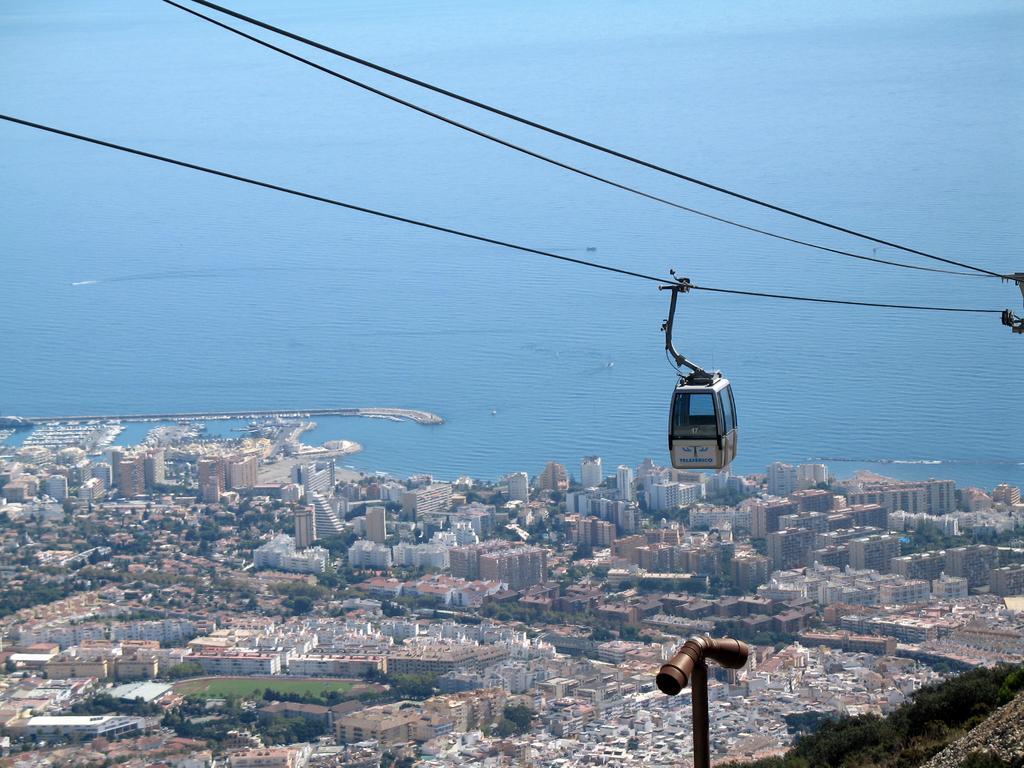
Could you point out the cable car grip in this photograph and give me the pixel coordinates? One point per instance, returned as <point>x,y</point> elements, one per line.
<point>698,375</point>
<point>1014,323</point>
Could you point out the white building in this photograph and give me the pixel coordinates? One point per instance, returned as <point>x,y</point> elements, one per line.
<point>624,482</point>
<point>103,472</point>
<point>430,555</point>
<point>160,630</point>
<point>291,493</point>
<point>238,664</point>
<point>318,477</point>
<point>668,496</point>
<point>911,521</point>
<point>242,472</point>
<point>949,587</point>
<point>281,555</point>
<point>56,487</point>
<point>811,475</point>
<point>392,491</point>
<point>464,533</point>
<point>782,479</point>
<point>92,489</point>
<point>85,727</point>
<point>519,486</point>
<point>591,472</point>
<point>369,554</point>
<point>435,498</point>
<point>909,591</point>
<point>327,521</point>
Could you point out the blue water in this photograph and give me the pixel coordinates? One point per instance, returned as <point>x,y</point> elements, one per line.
<point>904,120</point>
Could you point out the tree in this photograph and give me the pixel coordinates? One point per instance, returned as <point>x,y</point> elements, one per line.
<point>413,686</point>
<point>583,551</point>
<point>183,670</point>
<point>520,717</point>
<point>298,604</point>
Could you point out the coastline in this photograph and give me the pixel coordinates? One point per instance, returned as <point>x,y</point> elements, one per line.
<point>393,414</point>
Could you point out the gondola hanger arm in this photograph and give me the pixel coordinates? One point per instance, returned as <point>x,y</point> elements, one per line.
<point>1015,323</point>
<point>698,375</point>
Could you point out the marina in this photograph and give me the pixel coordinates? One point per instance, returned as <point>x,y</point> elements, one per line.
<point>391,414</point>
<point>88,435</point>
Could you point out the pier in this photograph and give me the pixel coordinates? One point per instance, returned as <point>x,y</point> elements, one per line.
<point>393,414</point>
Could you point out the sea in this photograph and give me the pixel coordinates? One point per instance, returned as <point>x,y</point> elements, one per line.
<point>130,286</point>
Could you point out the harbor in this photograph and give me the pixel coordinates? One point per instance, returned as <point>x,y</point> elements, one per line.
<point>392,414</point>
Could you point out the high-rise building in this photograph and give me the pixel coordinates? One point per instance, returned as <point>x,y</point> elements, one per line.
<point>790,548</point>
<point>936,497</point>
<point>668,496</point>
<point>782,479</point>
<point>481,517</point>
<point>242,471</point>
<point>103,472</point>
<point>154,468</point>
<point>921,565</point>
<point>813,500</point>
<point>590,531</point>
<point>867,514</point>
<point>974,562</point>
<point>624,482</point>
<point>591,472</point>
<point>811,475</point>
<point>1008,580</point>
<point>553,478</point>
<point>749,571</point>
<point>317,477</point>
<point>327,521</point>
<point>369,554</point>
<point>305,527</point>
<point>92,489</point>
<point>519,567</point>
<point>281,554</point>
<point>376,524</point>
<point>949,587</point>
<point>764,517</point>
<point>874,553</point>
<point>941,496</point>
<point>211,478</point>
<point>812,521</point>
<point>464,533</point>
<point>519,486</point>
<point>432,499</point>
<point>116,455</point>
<point>1006,494</point>
<point>834,556</point>
<point>56,487</point>
<point>429,555</point>
<point>465,560</point>
<point>131,475</point>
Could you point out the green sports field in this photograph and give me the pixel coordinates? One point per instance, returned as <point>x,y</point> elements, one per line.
<point>253,687</point>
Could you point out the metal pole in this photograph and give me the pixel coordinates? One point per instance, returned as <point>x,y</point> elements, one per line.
<point>699,689</point>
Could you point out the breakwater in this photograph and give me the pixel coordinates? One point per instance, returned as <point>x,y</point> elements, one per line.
<point>393,414</point>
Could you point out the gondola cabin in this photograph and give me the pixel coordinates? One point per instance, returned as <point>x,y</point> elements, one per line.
<point>702,429</point>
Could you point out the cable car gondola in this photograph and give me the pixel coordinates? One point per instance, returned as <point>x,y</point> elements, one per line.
<point>703,430</point>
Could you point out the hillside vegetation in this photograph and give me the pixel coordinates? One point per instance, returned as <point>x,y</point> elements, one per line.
<point>933,718</point>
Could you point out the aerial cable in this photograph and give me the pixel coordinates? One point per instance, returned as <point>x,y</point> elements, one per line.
<point>551,160</point>
<point>329,201</point>
<point>451,230</point>
<point>578,140</point>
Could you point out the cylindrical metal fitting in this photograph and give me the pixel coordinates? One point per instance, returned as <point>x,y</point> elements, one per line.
<point>675,674</point>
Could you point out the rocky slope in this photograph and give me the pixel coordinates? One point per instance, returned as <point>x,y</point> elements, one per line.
<point>1002,734</point>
